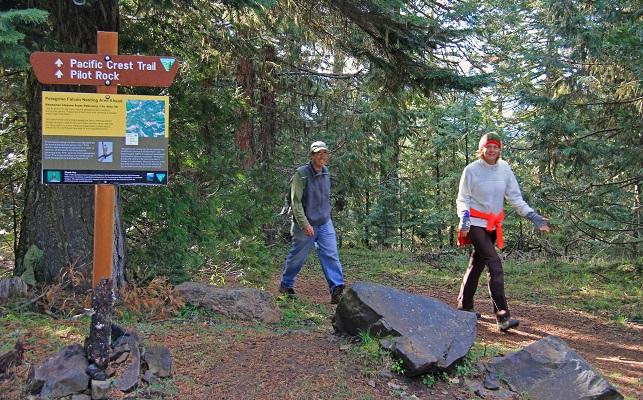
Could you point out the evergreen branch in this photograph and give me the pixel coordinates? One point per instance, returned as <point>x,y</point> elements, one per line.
<point>15,128</point>
<point>594,237</point>
<point>606,103</point>
<point>595,133</point>
<point>6,73</point>
<point>621,183</point>
<point>315,73</point>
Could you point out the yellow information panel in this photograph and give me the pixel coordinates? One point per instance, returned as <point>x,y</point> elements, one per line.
<point>89,114</point>
<point>90,138</point>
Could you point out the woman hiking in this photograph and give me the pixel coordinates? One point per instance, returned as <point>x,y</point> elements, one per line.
<point>484,185</point>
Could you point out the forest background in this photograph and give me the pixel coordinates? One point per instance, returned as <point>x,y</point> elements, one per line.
<point>400,90</point>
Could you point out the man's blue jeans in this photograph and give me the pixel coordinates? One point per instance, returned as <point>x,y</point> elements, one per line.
<point>326,240</point>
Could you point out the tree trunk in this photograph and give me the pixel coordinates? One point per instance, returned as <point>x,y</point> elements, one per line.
<point>246,81</point>
<point>438,192</point>
<point>268,108</point>
<point>59,220</point>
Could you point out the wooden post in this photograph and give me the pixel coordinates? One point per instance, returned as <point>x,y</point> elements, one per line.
<point>100,330</point>
<point>107,43</point>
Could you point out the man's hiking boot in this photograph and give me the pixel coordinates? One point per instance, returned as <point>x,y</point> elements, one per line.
<point>504,323</point>
<point>478,316</point>
<point>336,294</point>
<point>288,291</point>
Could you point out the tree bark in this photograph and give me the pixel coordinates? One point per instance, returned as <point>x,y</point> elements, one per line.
<point>100,332</point>
<point>268,108</point>
<point>246,81</point>
<point>59,219</point>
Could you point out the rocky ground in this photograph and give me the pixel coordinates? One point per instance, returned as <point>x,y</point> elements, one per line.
<point>223,359</point>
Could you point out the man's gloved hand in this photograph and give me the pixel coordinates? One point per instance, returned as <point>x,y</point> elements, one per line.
<point>539,221</point>
<point>465,223</point>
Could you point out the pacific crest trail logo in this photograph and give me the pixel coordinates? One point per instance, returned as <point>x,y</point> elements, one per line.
<point>168,63</point>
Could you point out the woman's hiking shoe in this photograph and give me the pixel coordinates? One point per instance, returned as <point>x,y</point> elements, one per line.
<point>288,291</point>
<point>336,294</point>
<point>507,324</point>
<point>478,316</point>
<point>504,323</point>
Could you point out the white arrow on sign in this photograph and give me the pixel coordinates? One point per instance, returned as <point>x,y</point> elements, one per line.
<point>58,63</point>
<point>58,74</point>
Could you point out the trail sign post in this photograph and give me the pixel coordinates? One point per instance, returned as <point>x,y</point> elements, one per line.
<point>106,70</point>
<point>99,69</point>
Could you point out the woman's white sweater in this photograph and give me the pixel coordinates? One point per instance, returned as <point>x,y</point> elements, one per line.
<point>484,187</point>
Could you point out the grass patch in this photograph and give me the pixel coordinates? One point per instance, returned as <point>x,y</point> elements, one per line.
<point>467,367</point>
<point>369,355</point>
<point>33,329</point>
<point>158,390</point>
<point>613,290</point>
<point>607,289</point>
<point>301,314</point>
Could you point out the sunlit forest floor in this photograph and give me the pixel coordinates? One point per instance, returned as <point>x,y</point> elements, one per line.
<point>594,308</point>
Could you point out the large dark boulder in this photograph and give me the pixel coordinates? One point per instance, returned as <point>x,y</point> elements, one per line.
<point>240,303</point>
<point>550,370</point>
<point>60,375</point>
<point>424,332</point>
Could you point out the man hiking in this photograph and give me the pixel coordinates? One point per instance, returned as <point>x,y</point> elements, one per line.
<point>312,224</point>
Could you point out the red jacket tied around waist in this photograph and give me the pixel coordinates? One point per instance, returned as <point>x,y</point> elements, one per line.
<point>493,221</point>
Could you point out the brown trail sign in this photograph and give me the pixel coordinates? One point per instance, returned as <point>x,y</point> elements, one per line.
<point>103,69</point>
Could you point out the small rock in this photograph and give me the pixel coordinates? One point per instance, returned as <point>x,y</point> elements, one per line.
<point>128,338</point>
<point>159,361</point>
<point>100,389</point>
<point>117,332</point>
<point>333,338</point>
<point>371,383</point>
<point>345,347</point>
<point>117,351</point>
<point>385,373</point>
<point>241,303</point>
<point>128,381</point>
<point>96,373</point>
<point>149,377</point>
<point>395,386</point>
<point>60,375</point>
<point>122,358</point>
<point>13,287</point>
<point>491,382</point>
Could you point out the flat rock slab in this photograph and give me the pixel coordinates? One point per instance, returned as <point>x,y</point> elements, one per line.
<point>425,333</point>
<point>240,303</point>
<point>60,375</point>
<point>129,379</point>
<point>550,370</point>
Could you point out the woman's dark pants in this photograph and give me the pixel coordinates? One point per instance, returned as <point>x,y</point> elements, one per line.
<point>483,254</point>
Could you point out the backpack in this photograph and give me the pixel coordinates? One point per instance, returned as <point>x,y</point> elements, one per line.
<point>287,207</point>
